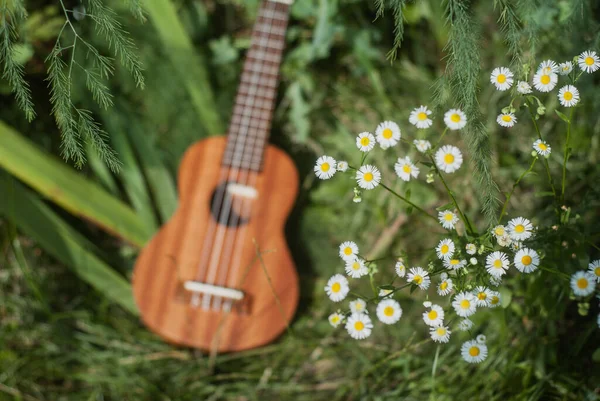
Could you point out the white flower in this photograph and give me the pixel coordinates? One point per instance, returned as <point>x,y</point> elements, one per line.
<point>422,145</point>
<point>368,177</point>
<point>400,269</point>
<point>337,288</point>
<point>494,299</point>
<point>448,158</point>
<point>545,82</point>
<point>365,141</point>
<point>473,352</point>
<point>342,166</point>
<point>497,263</point>
<point>389,311</point>
<point>565,68</point>
<point>445,249</point>
<point>419,276</point>
<point>504,240</point>
<point>542,148</point>
<point>427,304</point>
<point>406,169</point>
<point>523,88</point>
<point>388,134</point>
<point>588,61</point>
<point>480,339</point>
<point>383,293</point>
<point>356,268</point>
<point>419,117</point>
<point>583,283</point>
<point>464,304</point>
<point>594,269</point>
<point>454,264</point>
<point>520,229</point>
<point>473,261</point>
<point>548,67</point>
<point>502,78</point>
<point>358,306</point>
<point>359,326</point>
<point>445,286</point>
<point>506,120</point>
<point>434,317</point>
<point>325,167</point>
<point>455,119</point>
<point>568,96</point>
<point>440,334</point>
<point>447,219</point>
<point>471,249</point>
<point>498,231</point>
<point>495,280</point>
<point>598,320</point>
<point>482,296</point>
<point>526,260</point>
<point>335,319</point>
<point>348,250</point>
<point>465,325</point>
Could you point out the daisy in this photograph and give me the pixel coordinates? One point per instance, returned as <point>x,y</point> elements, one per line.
<point>348,250</point>
<point>335,319</point>
<point>454,264</point>
<point>455,119</point>
<point>359,326</point>
<point>499,231</point>
<point>548,67</point>
<point>473,352</point>
<point>583,283</point>
<point>526,260</point>
<point>542,148</point>
<point>448,219</point>
<point>588,61</point>
<point>504,240</point>
<point>325,167</point>
<point>545,82</point>
<point>342,166</point>
<point>427,304</point>
<point>465,325</point>
<point>448,158</point>
<point>365,141</point>
<point>388,134</point>
<point>502,78</point>
<point>389,311</point>
<point>440,334</point>
<point>480,339</point>
<point>400,269</point>
<point>383,293</point>
<point>464,304</point>
<point>594,269</point>
<point>520,229</point>
<point>565,68</point>
<point>368,177</point>
<point>497,263</point>
<point>471,249</point>
<point>420,277</point>
<point>523,88</point>
<point>473,261</point>
<point>494,299</point>
<point>495,281</point>
<point>358,306</point>
<point>356,268</point>
<point>422,145</point>
<point>506,120</point>
<point>445,249</point>
<point>419,117</point>
<point>406,169</point>
<point>568,96</point>
<point>482,296</point>
<point>434,317</point>
<point>445,286</point>
<point>337,288</point>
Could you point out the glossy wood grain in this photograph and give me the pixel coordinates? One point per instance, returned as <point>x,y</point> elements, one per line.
<point>174,255</point>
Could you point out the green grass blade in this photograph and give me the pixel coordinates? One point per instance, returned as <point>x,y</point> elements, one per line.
<point>62,185</point>
<point>60,240</point>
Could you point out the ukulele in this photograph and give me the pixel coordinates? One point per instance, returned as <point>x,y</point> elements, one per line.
<point>219,276</point>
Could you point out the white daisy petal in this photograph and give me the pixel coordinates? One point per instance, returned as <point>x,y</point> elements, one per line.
<point>465,325</point>
<point>542,148</point>
<point>358,306</point>
<point>440,334</point>
<point>325,167</point>
<point>526,260</point>
<point>388,134</point>
<point>474,352</point>
<point>589,61</point>
<point>422,145</point>
<point>594,269</point>
<point>447,219</point>
<point>434,317</point>
<point>365,141</point>
<point>471,249</point>
<point>583,283</point>
<point>445,249</point>
<point>568,96</point>
<point>342,166</point>
<point>464,304</point>
<point>497,263</point>
<point>348,250</point>
<point>405,169</point>
<point>520,229</point>
<point>523,88</point>
<point>448,158</point>
<point>389,311</point>
<point>359,326</point>
<point>455,119</point>
<point>356,268</point>
<point>335,319</point>
<point>506,120</point>
<point>502,78</point>
<point>445,286</point>
<point>419,277</point>
<point>368,177</point>
<point>400,269</point>
<point>545,82</point>
<point>565,68</point>
<point>494,299</point>
<point>419,117</point>
<point>482,296</point>
<point>548,67</point>
<point>454,264</point>
<point>337,288</point>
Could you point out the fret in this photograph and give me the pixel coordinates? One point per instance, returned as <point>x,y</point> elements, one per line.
<point>277,16</point>
<point>263,69</point>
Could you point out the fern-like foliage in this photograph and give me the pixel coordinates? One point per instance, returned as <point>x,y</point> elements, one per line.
<point>511,28</point>
<point>397,7</point>
<point>11,17</point>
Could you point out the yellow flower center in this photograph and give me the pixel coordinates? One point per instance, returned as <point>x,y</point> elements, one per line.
<point>388,311</point>
<point>568,96</point>
<point>368,177</point>
<point>597,271</point>
<point>582,283</point>
<point>422,116</point>
<point>542,146</point>
<point>448,158</point>
<point>444,285</point>
<point>336,287</point>
<point>358,326</point>
<point>474,351</point>
<point>497,263</point>
<point>589,60</point>
<point>495,299</point>
<point>418,280</point>
<point>448,217</point>
<point>454,262</point>
<point>465,304</point>
<point>501,78</point>
<point>482,296</point>
<point>355,266</point>
<point>526,260</point>
<point>445,249</point>
<point>387,133</point>
<point>325,167</point>
<point>519,228</point>
<point>499,231</point>
<point>335,319</point>
<point>440,331</point>
<point>506,118</point>
<point>348,251</point>
<point>432,315</point>
<point>455,118</point>
<point>406,169</point>
<point>545,79</point>
<point>365,141</point>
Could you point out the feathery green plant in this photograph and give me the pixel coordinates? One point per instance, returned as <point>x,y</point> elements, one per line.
<point>397,7</point>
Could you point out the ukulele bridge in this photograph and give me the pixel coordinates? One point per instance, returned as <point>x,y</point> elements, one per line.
<point>214,290</point>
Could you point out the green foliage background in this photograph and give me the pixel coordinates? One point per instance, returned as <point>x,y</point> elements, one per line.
<point>69,326</point>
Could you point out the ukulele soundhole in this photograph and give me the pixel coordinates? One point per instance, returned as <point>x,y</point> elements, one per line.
<point>231,202</point>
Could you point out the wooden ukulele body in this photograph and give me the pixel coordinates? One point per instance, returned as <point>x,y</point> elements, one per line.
<point>174,256</point>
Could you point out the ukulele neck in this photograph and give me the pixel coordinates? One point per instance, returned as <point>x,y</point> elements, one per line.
<point>255,100</point>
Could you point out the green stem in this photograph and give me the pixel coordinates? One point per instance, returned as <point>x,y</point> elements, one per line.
<point>514,187</point>
<point>537,129</point>
<point>440,139</point>
<point>407,201</point>
<point>566,157</point>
